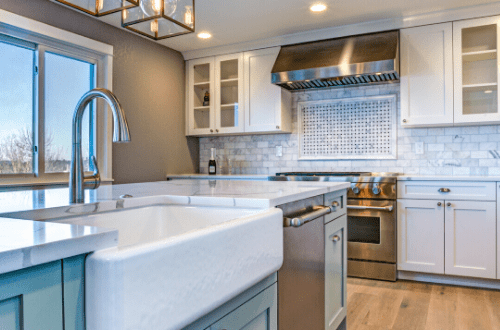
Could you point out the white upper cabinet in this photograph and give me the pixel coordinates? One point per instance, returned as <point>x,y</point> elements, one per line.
<point>242,98</point>
<point>475,44</point>
<point>229,114</point>
<point>427,76</point>
<point>222,78</point>
<point>268,107</point>
<point>201,118</point>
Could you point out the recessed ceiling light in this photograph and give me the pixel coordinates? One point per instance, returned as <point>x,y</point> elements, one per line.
<point>204,35</point>
<point>318,7</point>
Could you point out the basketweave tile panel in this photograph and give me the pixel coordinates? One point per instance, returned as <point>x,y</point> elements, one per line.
<point>471,150</point>
<point>349,128</point>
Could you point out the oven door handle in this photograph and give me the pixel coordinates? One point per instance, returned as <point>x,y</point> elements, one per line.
<point>317,211</point>
<point>374,208</point>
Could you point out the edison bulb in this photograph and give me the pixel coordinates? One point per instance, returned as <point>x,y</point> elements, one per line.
<point>100,5</point>
<point>154,26</point>
<point>153,7</point>
<point>124,14</point>
<point>188,16</point>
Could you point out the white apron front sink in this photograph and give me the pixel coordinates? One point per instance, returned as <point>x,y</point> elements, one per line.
<point>174,264</point>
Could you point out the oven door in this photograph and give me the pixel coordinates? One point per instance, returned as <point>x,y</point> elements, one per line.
<point>371,230</point>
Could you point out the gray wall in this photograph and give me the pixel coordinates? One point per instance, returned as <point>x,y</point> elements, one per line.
<point>148,79</point>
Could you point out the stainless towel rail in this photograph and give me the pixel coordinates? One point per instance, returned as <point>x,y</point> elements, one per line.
<point>374,208</point>
<point>309,215</point>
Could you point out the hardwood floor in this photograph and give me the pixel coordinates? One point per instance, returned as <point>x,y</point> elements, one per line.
<point>405,305</point>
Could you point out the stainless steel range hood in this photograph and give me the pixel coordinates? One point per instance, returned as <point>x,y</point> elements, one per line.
<point>362,59</point>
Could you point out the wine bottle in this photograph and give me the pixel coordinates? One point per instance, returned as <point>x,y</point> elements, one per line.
<point>212,165</point>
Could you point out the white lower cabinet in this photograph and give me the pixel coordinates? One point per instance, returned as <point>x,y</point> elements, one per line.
<point>470,239</point>
<point>448,237</point>
<point>421,236</point>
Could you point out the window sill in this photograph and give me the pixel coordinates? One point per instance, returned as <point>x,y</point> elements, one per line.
<point>12,185</point>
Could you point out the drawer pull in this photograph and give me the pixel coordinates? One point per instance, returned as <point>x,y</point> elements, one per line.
<point>335,238</point>
<point>444,190</point>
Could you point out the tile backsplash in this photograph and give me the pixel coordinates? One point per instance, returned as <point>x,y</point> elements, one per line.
<point>458,151</point>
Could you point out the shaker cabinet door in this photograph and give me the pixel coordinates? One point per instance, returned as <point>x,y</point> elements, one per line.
<point>335,272</point>
<point>31,298</point>
<point>421,235</point>
<point>259,313</point>
<point>470,238</point>
<point>427,76</point>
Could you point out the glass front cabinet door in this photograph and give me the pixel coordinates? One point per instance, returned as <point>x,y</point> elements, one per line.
<point>215,95</point>
<point>475,44</point>
<point>201,91</point>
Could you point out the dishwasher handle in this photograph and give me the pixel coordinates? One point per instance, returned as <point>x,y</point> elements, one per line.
<point>374,208</point>
<point>317,211</point>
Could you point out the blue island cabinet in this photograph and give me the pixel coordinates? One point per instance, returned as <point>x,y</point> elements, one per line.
<point>254,309</point>
<point>32,298</point>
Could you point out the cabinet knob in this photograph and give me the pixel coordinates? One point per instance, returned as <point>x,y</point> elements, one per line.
<point>335,238</point>
<point>404,120</point>
<point>217,131</point>
<point>439,204</point>
<point>211,131</point>
<point>335,204</point>
<point>448,204</point>
<point>444,190</point>
<point>277,127</point>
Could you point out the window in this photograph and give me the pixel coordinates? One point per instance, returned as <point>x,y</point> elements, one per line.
<point>42,78</point>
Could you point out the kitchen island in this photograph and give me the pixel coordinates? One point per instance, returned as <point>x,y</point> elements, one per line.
<point>51,205</point>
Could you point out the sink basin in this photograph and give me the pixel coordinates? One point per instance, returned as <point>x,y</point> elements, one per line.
<point>176,263</point>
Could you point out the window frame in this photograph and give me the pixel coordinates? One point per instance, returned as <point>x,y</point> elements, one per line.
<point>61,42</point>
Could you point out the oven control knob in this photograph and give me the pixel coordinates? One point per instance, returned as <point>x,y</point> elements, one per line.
<point>356,190</point>
<point>376,189</point>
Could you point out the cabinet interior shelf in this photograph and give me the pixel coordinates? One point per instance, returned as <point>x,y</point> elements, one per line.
<point>229,82</point>
<point>479,85</point>
<point>229,106</point>
<point>479,55</point>
<point>205,84</point>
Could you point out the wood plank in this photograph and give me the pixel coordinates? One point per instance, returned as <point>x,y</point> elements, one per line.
<point>442,308</point>
<point>384,309</point>
<point>412,314</point>
<point>493,303</point>
<point>358,308</point>
<point>472,312</point>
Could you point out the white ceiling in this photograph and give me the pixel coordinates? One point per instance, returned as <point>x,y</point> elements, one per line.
<point>238,21</point>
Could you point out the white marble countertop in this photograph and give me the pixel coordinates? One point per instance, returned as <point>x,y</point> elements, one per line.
<point>220,176</point>
<point>401,177</point>
<point>25,243</point>
<point>410,177</point>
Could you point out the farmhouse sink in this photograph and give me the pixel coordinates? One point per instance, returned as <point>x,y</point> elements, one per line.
<point>174,263</point>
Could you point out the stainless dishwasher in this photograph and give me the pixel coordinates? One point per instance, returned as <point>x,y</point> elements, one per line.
<point>312,281</point>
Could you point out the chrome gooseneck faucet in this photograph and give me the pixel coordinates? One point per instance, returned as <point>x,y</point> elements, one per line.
<point>77,181</point>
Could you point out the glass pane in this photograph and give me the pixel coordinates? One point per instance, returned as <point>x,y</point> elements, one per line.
<point>66,80</point>
<point>16,109</point>
<point>363,229</point>
<point>229,93</point>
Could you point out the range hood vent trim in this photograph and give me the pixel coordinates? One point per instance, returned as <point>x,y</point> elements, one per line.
<point>365,59</point>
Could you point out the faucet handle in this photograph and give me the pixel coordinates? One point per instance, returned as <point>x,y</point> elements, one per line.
<point>93,181</point>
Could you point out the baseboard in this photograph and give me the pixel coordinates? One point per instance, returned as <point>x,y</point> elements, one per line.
<point>450,280</point>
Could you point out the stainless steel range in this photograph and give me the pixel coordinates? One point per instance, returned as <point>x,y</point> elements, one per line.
<point>371,219</point>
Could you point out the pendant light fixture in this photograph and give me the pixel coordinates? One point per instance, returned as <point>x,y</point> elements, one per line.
<point>100,7</point>
<point>160,19</point>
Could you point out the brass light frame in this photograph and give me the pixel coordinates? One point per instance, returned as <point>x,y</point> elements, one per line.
<point>161,15</point>
<point>97,12</point>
